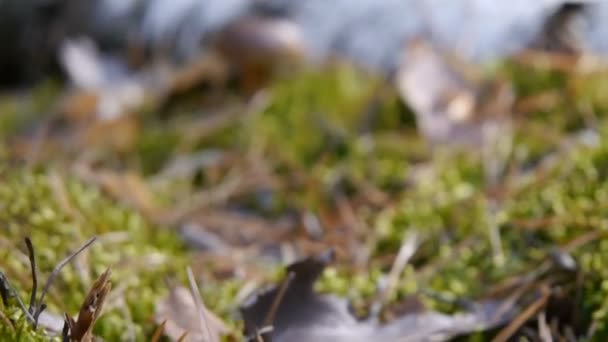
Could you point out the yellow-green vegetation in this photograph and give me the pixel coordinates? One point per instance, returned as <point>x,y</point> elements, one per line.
<point>345,132</point>
<point>59,220</point>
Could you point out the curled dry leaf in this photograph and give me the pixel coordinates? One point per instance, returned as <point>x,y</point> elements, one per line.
<point>453,102</point>
<point>81,328</point>
<point>178,311</point>
<point>300,314</point>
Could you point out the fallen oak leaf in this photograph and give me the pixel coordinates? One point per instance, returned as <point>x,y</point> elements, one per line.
<point>299,307</point>
<point>80,330</point>
<point>303,315</point>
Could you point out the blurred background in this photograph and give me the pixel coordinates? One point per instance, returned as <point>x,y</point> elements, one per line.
<point>452,153</point>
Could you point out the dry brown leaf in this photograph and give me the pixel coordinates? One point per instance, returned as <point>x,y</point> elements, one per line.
<point>180,313</point>
<point>303,315</point>
<point>80,330</point>
<point>453,102</point>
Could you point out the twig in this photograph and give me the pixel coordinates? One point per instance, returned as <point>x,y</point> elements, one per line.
<point>274,307</point>
<point>278,299</point>
<point>54,274</point>
<point>65,332</point>
<point>260,332</point>
<point>32,257</point>
<point>506,333</point>
<point>182,337</point>
<point>498,254</point>
<point>543,329</point>
<point>6,321</point>
<point>90,309</point>
<point>199,304</point>
<point>158,332</point>
<point>406,251</point>
<point>6,289</point>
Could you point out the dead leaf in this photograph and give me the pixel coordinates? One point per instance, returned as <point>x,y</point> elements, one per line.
<point>180,313</point>
<point>563,31</point>
<point>303,315</point>
<point>453,102</point>
<point>80,330</point>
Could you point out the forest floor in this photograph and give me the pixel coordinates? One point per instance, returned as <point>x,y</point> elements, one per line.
<point>323,159</point>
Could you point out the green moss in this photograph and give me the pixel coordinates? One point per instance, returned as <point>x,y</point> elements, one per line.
<point>154,148</point>
<point>318,113</point>
<point>139,254</point>
<point>452,208</point>
<point>339,130</point>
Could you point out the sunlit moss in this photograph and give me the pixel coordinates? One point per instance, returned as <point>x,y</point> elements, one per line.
<point>343,130</point>
<point>139,254</point>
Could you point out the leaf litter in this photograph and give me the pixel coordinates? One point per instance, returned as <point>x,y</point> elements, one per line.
<point>297,313</point>
<point>301,167</point>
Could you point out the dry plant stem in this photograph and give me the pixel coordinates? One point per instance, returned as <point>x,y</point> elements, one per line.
<point>406,251</point>
<point>183,337</point>
<point>32,257</point>
<point>65,332</point>
<point>90,310</point>
<point>498,254</point>
<point>8,288</point>
<point>348,213</point>
<point>6,321</point>
<point>543,328</point>
<point>4,289</point>
<point>199,304</point>
<point>158,333</point>
<point>277,301</point>
<point>259,333</point>
<point>506,333</point>
<point>54,274</point>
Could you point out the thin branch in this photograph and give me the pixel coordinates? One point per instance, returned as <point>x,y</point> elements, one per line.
<point>158,333</point>
<point>199,304</point>
<point>32,256</point>
<point>7,289</point>
<point>543,328</point>
<point>506,333</point>
<point>183,337</point>
<point>65,332</point>
<point>258,334</point>
<point>278,299</point>
<point>54,274</point>
<point>6,321</point>
<point>408,248</point>
<point>272,312</point>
